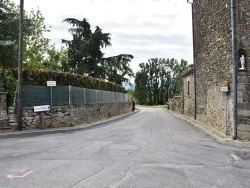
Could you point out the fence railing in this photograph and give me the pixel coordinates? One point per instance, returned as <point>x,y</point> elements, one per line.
<point>69,95</point>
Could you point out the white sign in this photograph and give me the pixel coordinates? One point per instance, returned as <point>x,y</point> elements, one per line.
<point>6,42</point>
<point>224,89</point>
<point>41,108</point>
<point>51,83</point>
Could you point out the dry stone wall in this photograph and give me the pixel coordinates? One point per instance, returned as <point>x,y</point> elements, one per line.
<point>69,115</point>
<point>188,93</point>
<point>3,109</point>
<point>176,104</point>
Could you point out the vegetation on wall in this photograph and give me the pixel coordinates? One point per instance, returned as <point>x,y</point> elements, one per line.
<point>10,84</point>
<point>40,78</point>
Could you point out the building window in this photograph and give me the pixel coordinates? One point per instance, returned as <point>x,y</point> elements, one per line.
<point>188,88</point>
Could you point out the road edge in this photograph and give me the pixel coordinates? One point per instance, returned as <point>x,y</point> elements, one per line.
<point>212,132</point>
<point>38,132</point>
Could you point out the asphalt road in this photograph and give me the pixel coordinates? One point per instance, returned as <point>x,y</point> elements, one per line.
<point>150,148</point>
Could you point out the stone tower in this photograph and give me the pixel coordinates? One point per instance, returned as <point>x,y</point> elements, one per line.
<point>213,59</point>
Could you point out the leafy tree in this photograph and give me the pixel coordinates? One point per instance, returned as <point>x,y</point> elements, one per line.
<point>57,60</point>
<point>178,68</point>
<point>141,87</point>
<point>4,5</point>
<point>158,72</point>
<point>117,68</point>
<point>9,32</point>
<point>86,57</point>
<point>35,44</point>
<point>161,78</point>
<point>85,49</point>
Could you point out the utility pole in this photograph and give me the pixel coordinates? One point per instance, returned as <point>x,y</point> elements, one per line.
<point>194,72</point>
<point>20,67</point>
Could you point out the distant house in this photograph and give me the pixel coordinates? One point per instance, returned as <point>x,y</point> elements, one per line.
<point>214,68</point>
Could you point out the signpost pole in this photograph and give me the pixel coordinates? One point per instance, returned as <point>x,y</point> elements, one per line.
<point>42,109</point>
<point>225,99</point>
<point>42,121</point>
<point>51,84</point>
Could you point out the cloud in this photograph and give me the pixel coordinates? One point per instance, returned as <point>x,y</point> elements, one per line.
<point>143,28</point>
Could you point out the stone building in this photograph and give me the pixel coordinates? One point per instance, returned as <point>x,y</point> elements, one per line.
<point>213,59</point>
<point>188,93</point>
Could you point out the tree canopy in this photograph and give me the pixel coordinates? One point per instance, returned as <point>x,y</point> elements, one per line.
<point>9,32</point>
<point>158,80</point>
<point>56,60</point>
<point>84,49</point>
<point>83,54</point>
<point>117,68</point>
<point>35,45</point>
<point>86,57</point>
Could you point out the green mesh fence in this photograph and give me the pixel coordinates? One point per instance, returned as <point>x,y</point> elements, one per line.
<point>65,95</point>
<point>77,95</point>
<point>41,95</point>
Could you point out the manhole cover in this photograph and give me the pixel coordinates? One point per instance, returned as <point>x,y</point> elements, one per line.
<point>243,155</point>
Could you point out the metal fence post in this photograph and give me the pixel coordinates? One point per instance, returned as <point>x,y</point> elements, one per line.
<point>70,95</point>
<point>84,95</point>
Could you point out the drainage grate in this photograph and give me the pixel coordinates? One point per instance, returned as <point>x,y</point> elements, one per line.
<point>243,155</point>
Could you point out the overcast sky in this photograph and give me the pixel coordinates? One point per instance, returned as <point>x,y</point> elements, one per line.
<point>144,28</point>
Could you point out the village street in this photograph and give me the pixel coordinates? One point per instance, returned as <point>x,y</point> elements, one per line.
<point>149,148</point>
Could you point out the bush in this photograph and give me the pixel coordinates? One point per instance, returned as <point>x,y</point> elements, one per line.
<point>10,86</point>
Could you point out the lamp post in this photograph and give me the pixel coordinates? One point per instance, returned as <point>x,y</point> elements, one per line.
<point>195,102</point>
<point>20,67</point>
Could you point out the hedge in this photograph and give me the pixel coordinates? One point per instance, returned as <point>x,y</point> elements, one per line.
<point>40,78</point>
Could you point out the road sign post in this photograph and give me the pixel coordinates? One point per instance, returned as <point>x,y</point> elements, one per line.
<point>51,84</point>
<point>42,109</point>
<point>224,89</point>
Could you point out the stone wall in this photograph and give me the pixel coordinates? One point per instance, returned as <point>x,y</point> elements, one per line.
<point>175,104</point>
<point>212,37</point>
<point>188,93</point>
<point>213,58</point>
<point>3,109</point>
<point>243,76</point>
<point>64,116</point>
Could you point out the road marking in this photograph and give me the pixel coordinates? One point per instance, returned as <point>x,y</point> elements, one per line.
<point>16,175</point>
<point>17,170</point>
<point>236,157</point>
